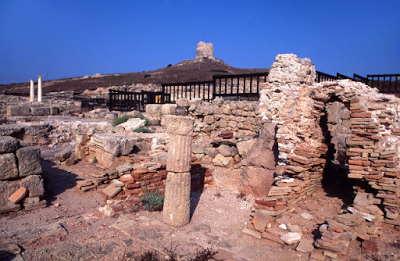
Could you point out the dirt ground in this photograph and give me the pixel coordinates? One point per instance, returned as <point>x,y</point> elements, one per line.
<point>72,228</point>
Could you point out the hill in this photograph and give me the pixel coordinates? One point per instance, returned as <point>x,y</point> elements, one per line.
<point>198,69</point>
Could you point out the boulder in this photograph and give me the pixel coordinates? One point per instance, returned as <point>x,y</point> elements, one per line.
<point>262,153</point>
<point>29,162</point>
<point>222,161</point>
<point>256,181</point>
<point>8,166</point>
<point>8,144</point>
<point>132,124</point>
<point>62,155</point>
<point>115,145</point>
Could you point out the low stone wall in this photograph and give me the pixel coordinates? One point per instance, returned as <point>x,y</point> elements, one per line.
<point>23,110</point>
<point>20,176</point>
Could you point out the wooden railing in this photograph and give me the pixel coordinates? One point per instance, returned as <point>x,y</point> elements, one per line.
<point>236,86</point>
<point>129,101</point>
<point>386,83</point>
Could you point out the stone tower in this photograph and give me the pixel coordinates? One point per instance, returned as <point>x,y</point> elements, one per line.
<point>205,50</point>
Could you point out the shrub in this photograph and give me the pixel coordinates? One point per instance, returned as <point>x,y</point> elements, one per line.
<point>118,120</point>
<point>153,201</point>
<point>95,160</point>
<point>142,130</point>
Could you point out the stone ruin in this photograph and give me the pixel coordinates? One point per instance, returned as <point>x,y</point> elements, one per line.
<point>204,50</point>
<point>21,183</point>
<point>316,131</point>
<point>280,149</point>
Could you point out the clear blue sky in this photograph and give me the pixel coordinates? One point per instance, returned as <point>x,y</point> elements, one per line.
<point>68,38</point>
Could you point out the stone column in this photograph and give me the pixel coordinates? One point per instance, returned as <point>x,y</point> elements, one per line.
<point>177,190</point>
<point>32,96</point>
<point>40,88</point>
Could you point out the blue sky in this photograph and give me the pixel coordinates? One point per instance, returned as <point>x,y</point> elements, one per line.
<point>60,38</point>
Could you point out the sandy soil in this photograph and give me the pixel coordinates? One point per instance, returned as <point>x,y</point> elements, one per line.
<point>72,228</point>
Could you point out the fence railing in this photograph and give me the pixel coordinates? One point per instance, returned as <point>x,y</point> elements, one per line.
<point>128,101</point>
<point>235,86</point>
<point>386,83</point>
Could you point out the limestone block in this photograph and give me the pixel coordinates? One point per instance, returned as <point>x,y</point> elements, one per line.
<point>8,144</point>
<point>8,166</point>
<point>179,125</point>
<point>225,150</point>
<point>209,119</point>
<point>182,102</point>
<point>222,161</point>
<point>198,148</point>
<point>62,155</point>
<point>262,152</point>
<point>179,153</point>
<point>176,210</point>
<point>132,124</point>
<point>116,145</point>
<point>153,109</point>
<point>256,181</point>
<point>244,146</point>
<point>333,112</point>
<point>17,110</point>
<point>104,158</point>
<point>212,152</point>
<point>40,111</point>
<point>29,162</point>
<point>33,183</point>
<point>18,195</point>
<point>168,109</point>
<point>54,110</point>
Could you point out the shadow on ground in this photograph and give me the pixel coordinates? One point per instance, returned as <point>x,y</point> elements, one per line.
<point>56,181</point>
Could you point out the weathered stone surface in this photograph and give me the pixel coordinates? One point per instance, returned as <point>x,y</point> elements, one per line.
<point>291,238</point>
<point>261,219</point>
<point>288,68</point>
<point>179,125</point>
<point>132,124</point>
<point>40,111</point>
<point>116,145</point>
<point>252,233</point>
<point>62,155</point>
<point>183,102</point>
<point>225,150</point>
<point>179,153</point>
<point>256,181</point>
<point>168,109</point>
<point>262,152</point>
<point>176,210</point>
<point>111,190</point>
<point>29,162</point>
<point>153,109</point>
<point>18,110</point>
<point>305,245</point>
<point>8,144</point>
<point>34,184</point>
<point>244,146</point>
<point>8,166</point>
<point>8,207</point>
<point>222,161</point>
<point>204,50</point>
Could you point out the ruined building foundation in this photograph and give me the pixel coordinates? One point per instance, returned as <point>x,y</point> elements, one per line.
<point>342,126</point>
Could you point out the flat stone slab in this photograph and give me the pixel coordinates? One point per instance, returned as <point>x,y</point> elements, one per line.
<point>8,207</point>
<point>111,190</point>
<point>18,195</point>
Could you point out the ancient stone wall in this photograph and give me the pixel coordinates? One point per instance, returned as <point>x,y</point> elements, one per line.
<point>20,176</point>
<point>360,124</point>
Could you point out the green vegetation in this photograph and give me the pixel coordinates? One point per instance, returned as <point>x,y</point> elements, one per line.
<point>95,160</point>
<point>153,201</point>
<point>118,120</point>
<point>142,130</point>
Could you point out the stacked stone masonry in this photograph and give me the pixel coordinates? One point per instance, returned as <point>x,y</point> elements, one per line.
<point>21,183</point>
<point>364,126</point>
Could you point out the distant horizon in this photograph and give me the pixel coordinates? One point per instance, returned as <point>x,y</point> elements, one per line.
<point>75,38</point>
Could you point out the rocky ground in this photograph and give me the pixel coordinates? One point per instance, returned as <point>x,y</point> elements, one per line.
<point>72,228</point>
